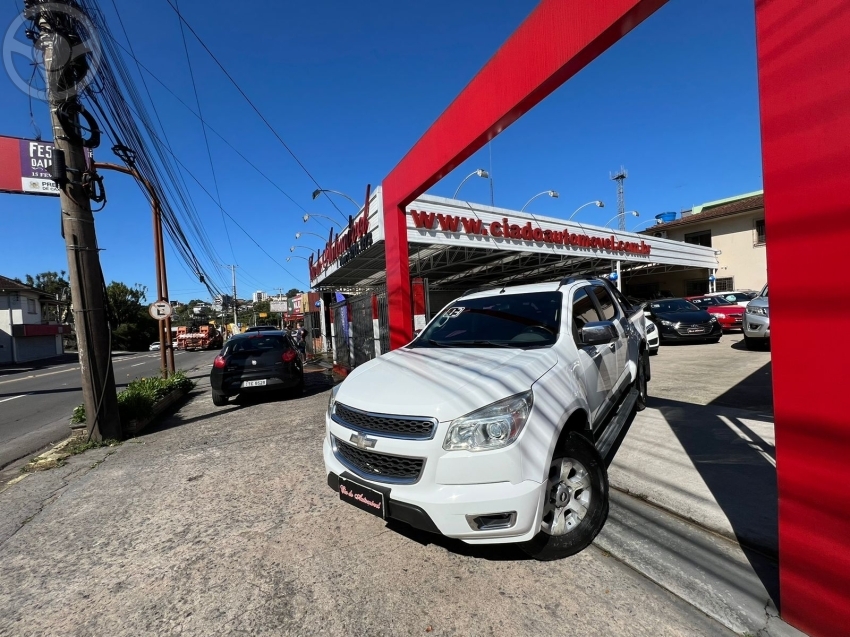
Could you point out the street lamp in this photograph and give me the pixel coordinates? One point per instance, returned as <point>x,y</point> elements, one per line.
<point>310,215</point>
<point>552,193</point>
<point>297,257</point>
<point>319,191</point>
<point>292,249</point>
<point>597,203</point>
<point>633,213</point>
<point>480,173</point>
<point>298,235</point>
<point>644,223</point>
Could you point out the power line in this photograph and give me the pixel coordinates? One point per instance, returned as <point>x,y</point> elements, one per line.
<point>206,139</point>
<point>253,106</point>
<point>208,125</point>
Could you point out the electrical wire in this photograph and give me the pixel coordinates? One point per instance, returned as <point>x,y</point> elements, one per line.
<point>251,103</point>
<point>206,140</point>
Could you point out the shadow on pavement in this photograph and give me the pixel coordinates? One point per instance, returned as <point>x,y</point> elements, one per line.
<point>491,552</point>
<point>738,467</point>
<point>754,392</point>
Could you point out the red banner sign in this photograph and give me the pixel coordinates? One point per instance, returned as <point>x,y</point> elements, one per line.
<point>25,167</point>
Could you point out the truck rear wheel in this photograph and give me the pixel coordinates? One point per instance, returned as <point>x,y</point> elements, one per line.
<point>576,502</point>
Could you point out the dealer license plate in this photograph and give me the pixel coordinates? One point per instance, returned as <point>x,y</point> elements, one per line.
<point>695,330</point>
<point>254,383</point>
<point>362,497</point>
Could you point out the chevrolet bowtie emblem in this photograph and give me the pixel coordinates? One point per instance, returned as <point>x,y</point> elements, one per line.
<point>364,442</point>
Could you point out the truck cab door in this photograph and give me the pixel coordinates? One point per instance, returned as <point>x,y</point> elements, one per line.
<point>624,347</point>
<point>598,363</point>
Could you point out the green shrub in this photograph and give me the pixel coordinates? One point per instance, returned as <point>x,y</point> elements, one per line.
<point>137,400</point>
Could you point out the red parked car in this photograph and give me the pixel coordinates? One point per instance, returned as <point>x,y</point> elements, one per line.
<point>729,315</point>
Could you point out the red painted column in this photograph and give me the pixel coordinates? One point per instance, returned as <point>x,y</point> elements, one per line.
<point>804,88</point>
<point>398,270</point>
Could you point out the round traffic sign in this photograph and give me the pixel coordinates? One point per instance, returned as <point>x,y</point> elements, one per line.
<point>160,310</point>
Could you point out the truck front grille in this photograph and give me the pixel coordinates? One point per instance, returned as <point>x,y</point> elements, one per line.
<point>409,427</point>
<point>381,467</point>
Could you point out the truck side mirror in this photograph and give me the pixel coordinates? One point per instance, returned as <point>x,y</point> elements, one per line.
<point>598,333</point>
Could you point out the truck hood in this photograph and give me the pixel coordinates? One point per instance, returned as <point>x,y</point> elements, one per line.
<point>444,383</point>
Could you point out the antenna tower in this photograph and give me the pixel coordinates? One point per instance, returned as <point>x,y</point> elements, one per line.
<point>620,178</point>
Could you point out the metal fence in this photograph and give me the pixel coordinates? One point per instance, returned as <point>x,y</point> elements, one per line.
<point>313,325</point>
<point>354,328</point>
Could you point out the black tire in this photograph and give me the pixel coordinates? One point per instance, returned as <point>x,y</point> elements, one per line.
<point>593,497</point>
<point>748,342</point>
<point>654,352</point>
<point>714,340</point>
<point>641,382</point>
<point>219,400</point>
<point>298,390</point>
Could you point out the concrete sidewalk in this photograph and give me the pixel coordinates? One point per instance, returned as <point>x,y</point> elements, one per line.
<point>221,522</point>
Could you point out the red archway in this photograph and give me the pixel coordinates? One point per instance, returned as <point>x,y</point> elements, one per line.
<point>804,89</point>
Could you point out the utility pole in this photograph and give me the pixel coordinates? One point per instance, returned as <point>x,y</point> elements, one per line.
<point>235,318</point>
<point>620,178</point>
<point>88,292</point>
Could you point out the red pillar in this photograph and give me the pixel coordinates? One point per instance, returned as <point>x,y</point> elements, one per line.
<point>398,269</point>
<point>804,88</point>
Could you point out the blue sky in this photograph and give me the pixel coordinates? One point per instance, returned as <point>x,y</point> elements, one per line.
<point>351,89</point>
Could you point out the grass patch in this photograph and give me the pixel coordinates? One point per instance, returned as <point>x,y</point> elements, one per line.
<point>137,400</point>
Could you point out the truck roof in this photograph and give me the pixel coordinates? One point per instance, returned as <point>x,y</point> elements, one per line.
<point>548,286</point>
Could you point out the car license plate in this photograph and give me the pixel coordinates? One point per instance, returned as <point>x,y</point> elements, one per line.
<point>362,497</point>
<point>695,330</point>
<point>254,383</point>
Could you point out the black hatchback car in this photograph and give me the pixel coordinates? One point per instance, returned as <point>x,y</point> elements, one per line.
<point>681,320</point>
<point>256,362</point>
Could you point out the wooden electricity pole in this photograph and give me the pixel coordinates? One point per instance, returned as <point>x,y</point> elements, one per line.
<point>88,291</point>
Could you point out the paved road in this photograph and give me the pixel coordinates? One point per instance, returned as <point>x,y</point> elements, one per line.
<point>36,403</point>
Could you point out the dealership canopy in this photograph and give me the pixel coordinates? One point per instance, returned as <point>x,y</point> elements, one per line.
<point>457,243</point>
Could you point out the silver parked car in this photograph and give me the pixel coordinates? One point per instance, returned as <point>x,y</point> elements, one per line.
<point>757,322</point>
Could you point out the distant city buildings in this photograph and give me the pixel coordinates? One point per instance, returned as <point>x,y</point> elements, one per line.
<point>258,296</point>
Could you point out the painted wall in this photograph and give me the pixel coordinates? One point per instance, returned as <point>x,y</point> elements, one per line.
<point>741,256</point>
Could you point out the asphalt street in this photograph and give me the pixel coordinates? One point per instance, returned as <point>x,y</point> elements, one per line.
<point>36,402</point>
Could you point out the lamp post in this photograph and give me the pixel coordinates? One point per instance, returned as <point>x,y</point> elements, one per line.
<point>295,256</point>
<point>644,223</point>
<point>310,215</point>
<point>298,235</point>
<point>480,173</point>
<point>596,203</point>
<point>552,193</point>
<point>292,249</point>
<point>633,213</point>
<point>319,191</point>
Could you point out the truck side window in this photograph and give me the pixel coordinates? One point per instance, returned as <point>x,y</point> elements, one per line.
<point>606,303</point>
<point>583,312</point>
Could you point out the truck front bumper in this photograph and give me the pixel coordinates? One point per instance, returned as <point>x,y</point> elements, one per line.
<point>449,509</point>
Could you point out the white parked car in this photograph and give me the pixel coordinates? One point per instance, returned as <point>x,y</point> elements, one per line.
<point>741,297</point>
<point>757,322</point>
<point>653,337</point>
<point>492,425</point>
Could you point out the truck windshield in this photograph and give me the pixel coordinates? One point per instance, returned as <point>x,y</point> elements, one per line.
<point>510,320</point>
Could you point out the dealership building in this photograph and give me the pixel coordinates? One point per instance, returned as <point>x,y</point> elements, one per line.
<point>734,227</point>
<point>454,246</point>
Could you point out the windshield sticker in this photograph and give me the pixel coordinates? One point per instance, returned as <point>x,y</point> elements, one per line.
<point>454,312</point>
<point>655,306</point>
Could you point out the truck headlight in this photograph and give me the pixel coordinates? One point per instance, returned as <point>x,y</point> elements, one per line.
<point>492,427</point>
<point>332,401</point>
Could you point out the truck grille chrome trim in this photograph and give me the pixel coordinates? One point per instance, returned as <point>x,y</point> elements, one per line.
<point>380,467</point>
<point>386,425</point>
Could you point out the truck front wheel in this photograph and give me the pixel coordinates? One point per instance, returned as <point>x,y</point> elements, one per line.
<point>576,502</point>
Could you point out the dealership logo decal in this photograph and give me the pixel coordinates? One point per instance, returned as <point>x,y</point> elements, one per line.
<point>504,229</point>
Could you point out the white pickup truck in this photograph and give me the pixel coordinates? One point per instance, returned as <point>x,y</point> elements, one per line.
<point>494,424</point>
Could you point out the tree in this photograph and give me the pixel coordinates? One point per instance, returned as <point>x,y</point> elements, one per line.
<point>293,292</point>
<point>132,327</point>
<point>262,306</point>
<point>53,283</point>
